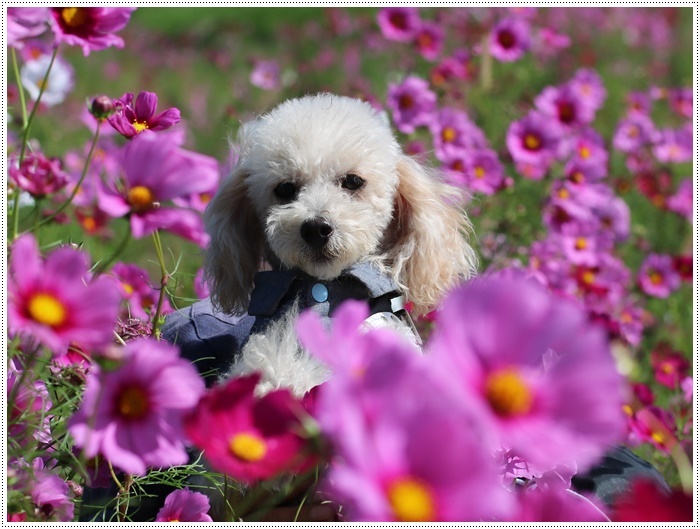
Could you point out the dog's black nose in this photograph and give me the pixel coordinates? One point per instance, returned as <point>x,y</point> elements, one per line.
<point>316,232</point>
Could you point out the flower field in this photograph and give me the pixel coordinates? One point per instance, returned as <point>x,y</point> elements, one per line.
<point>570,129</point>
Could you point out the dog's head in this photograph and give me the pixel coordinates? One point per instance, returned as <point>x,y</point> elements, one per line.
<point>321,184</point>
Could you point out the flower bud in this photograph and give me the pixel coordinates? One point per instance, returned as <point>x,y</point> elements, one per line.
<point>102,107</point>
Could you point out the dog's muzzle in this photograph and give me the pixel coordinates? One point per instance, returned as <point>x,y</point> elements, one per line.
<point>316,232</point>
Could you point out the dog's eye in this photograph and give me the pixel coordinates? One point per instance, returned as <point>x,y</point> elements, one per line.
<point>286,190</point>
<point>352,182</point>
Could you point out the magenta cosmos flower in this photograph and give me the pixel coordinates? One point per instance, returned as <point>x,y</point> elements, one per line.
<point>245,437</point>
<point>429,40</point>
<point>136,287</point>
<point>55,301</point>
<point>399,23</point>
<point>657,276</point>
<point>533,140</point>
<point>565,106</point>
<point>453,130</point>
<point>91,28</point>
<point>184,506</point>
<point>589,87</point>
<point>38,175</point>
<point>411,103</point>
<point>155,170</point>
<point>509,39</point>
<point>51,495</point>
<point>135,116</point>
<point>28,406</point>
<point>133,415</point>
<point>534,368</point>
<point>674,145</point>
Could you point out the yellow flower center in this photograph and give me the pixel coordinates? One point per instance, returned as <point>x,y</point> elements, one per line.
<point>532,142</point>
<point>47,309</point>
<point>578,177</point>
<point>140,197</point>
<point>655,277</point>
<point>140,126</point>
<point>588,277</point>
<point>411,500</point>
<point>563,193</point>
<point>479,172</point>
<point>449,134</point>
<point>659,437</point>
<point>626,317</point>
<point>248,447</point>
<point>632,132</point>
<point>205,198</point>
<point>627,409</point>
<point>581,243</point>
<point>128,289</point>
<point>89,224</point>
<point>507,393</point>
<point>584,152</point>
<point>132,402</point>
<point>74,17</point>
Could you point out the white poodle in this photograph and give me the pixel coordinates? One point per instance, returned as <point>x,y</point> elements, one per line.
<point>323,194</point>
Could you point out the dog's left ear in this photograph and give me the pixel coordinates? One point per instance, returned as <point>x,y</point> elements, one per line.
<point>430,252</point>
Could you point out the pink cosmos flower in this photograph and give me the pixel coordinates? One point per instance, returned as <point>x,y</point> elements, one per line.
<point>674,145</point>
<point>400,24</point>
<point>563,105</point>
<point>385,417</point>
<point>586,146</point>
<point>266,75</point>
<point>546,505</point>
<point>51,495</point>
<point>55,301</point>
<point>133,415</point>
<point>25,22</point>
<point>184,506</point>
<point>683,264</point>
<point>429,40</point>
<point>155,170</point>
<point>38,175</point>
<point>134,116</point>
<point>535,369</point>
<point>484,171</point>
<point>411,102</point>
<point>654,425</point>
<point>633,133</point>
<point>245,437</point>
<point>509,39</point>
<point>453,130</point>
<point>638,103</point>
<point>589,87</point>
<point>91,28</point>
<point>136,287</point>
<point>657,277</point>
<point>28,405</point>
<point>201,289</point>
<point>681,101</point>
<point>682,201</point>
<point>533,139</point>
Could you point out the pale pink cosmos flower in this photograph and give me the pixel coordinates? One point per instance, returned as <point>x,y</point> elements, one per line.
<point>674,145</point>
<point>51,495</point>
<point>533,367</point>
<point>133,415</point>
<point>266,75</point>
<point>399,23</point>
<point>184,506</point>
<point>589,87</point>
<point>91,28</point>
<point>56,301</point>
<point>58,85</point>
<point>681,201</point>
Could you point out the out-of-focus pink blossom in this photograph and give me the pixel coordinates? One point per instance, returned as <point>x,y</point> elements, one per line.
<point>509,39</point>
<point>91,28</point>
<point>266,75</point>
<point>657,277</point>
<point>400,24</point>
<point>25,22</point>
<point>429,40</point>
<point>38,175</point>
<point>411,102</point>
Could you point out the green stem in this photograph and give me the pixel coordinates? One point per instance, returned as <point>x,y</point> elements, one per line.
<point>684,467</point>
<point>86,166</point>
<point>20,88</point>
<point>105,263</point>
<point>163,283</point>
<point>26,123</point>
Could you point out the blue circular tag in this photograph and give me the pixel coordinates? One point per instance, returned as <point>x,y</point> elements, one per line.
<point>319,292</point>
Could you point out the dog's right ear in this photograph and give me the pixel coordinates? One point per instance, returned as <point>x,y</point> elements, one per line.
<point>235,252</point>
